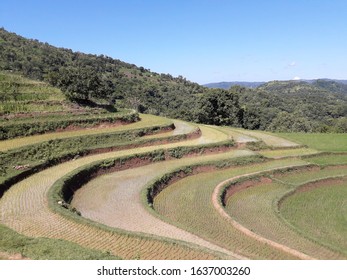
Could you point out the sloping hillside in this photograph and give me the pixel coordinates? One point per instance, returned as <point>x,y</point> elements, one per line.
<point>83,78</point>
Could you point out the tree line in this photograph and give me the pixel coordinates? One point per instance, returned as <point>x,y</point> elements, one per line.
<point>275,106</point>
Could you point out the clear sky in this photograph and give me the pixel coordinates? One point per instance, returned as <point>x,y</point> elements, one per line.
<point>202,40</point>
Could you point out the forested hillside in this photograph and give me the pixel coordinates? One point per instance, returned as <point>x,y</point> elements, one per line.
<point>295,106</point>
<point>278,106</point>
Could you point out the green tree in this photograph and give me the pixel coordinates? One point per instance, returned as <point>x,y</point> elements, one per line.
<point>82,84</point>
<point>219,107</point>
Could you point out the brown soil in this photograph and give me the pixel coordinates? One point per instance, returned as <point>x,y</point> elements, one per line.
<point>137,162</point>
<point>299,169</point>
<point>8,256</point>
<point>330,182</point>
<point>209,151</point>
<point>192,135</point>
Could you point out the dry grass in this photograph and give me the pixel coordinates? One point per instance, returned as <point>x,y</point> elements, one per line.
<point>268,138</point>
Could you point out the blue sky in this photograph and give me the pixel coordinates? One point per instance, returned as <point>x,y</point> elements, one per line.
<point>202,40</point>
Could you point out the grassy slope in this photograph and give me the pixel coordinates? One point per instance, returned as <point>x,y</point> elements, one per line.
<point>19,94</point>
<point>330,142</point>
<point>146,121</point>
<point>45,248</point>
<point>324,160</point>
<point>320,213</point>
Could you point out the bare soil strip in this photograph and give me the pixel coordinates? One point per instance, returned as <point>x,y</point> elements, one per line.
<point>269,139</point>
<point>8,256</point>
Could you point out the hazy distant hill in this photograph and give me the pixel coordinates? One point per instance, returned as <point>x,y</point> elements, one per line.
<point>227,85</point>
<point>338,86</point>
<point>329,84</point>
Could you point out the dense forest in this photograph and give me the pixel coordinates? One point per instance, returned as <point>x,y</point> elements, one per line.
<point>319,106</point>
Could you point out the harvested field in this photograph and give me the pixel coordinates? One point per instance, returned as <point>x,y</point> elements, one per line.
<point>180,128</point>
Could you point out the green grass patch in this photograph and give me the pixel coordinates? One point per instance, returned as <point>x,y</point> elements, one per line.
<point>22,95</point>
<point>320,213</point>
<point>328,159</point>
<point>47,249</point>
<point>288,153</point>
<point>327,142</point>
<point>12,129</point>
<point>298,177</point>
<point>255,207</point>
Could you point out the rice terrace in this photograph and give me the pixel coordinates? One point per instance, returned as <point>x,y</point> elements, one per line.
<point>90,180</point>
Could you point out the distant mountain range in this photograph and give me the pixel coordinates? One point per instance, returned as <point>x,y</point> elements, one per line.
<point>227,85</point>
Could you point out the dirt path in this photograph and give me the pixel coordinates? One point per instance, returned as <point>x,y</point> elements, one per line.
<point>181,127</point>
<point>268,138</point>
<point>8,256</point>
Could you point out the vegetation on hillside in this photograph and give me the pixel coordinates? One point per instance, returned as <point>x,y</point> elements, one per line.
<point>320,106</point>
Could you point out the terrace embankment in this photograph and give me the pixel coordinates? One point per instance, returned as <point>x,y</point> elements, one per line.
<point>25,209</point>
<point>259,217</point>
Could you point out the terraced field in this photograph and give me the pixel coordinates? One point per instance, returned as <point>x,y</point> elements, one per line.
<point>261,215</point>
<point>153,189</point>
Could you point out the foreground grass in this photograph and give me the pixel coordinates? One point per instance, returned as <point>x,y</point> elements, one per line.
<point>45,248</point>
<point>327,142</point>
